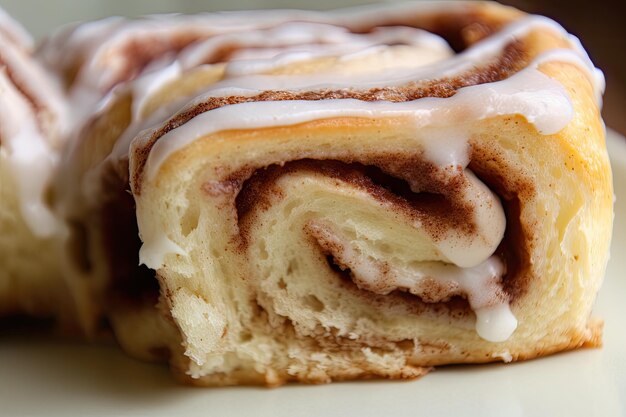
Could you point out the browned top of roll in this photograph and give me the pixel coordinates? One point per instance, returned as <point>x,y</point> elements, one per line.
<point>513,58</point>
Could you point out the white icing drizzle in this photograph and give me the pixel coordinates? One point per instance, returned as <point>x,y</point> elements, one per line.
<point>468,250</point>
<point>530,93</point>
<point>279,46</point>
<point>291,42</point>
<point>31,132</point>
<point>484,51</point>
<point>97,42</point>
<point>29,156</point>
<point>97,46</point>
<point>66,47</point>
<point>151,82</point>
<point>481,283</point>
<point>156,247</point>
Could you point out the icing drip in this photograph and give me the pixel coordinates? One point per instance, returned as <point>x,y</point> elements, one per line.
<point>96,44</point>
<point>29,156</point>
<point>529,93</point>
<point>434,282</point>
<point>32,127</point>
<point>292,42</point>
<point>153,251</point>
<point>288,43</point>
<point>484,51</point>
<point>150,83</point>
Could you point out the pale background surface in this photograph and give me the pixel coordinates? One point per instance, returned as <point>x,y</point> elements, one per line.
<point>42,16</point>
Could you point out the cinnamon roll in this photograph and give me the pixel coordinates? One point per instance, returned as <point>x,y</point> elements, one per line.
<point>32,131</point>
<point>324,196</point>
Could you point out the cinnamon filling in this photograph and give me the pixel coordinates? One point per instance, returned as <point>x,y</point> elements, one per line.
<point>37,106</point>
<point>433,209</point>
<point>456,305</point>
<point>512,60</point>
<point>460,29</point>
<point>512,190</point>
<point>139,53</point>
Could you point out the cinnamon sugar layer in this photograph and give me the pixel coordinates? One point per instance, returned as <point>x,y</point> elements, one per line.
<point>513,58</point>
<point>436,210</point>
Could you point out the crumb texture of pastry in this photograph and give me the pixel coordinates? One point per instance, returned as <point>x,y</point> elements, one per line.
<point>276,196</point>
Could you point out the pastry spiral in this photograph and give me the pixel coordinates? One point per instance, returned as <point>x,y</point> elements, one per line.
<point>323,196</point>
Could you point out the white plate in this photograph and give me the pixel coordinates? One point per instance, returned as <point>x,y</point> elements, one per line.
<point>54,378</point>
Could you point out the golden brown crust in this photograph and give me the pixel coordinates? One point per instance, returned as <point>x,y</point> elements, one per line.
<point>513,58</point>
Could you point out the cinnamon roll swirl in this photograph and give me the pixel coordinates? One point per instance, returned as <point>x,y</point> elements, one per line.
<point>363,193</point>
